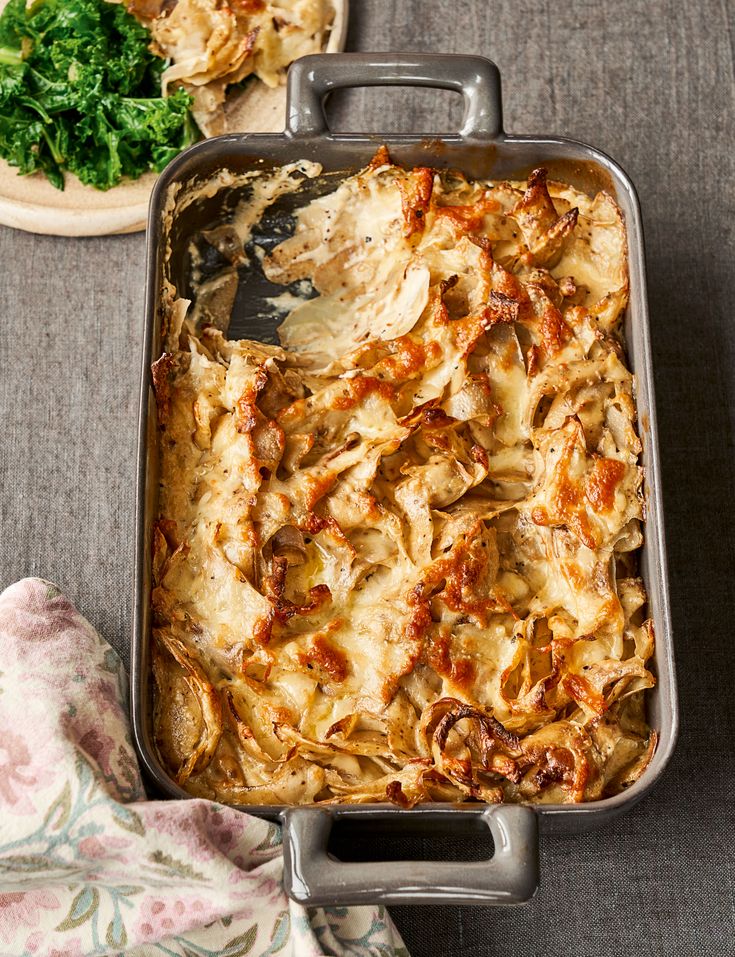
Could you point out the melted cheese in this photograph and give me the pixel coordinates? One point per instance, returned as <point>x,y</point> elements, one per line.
<point>386,557</point>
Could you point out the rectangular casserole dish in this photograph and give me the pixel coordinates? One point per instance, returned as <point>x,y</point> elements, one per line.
<point>480,149</point>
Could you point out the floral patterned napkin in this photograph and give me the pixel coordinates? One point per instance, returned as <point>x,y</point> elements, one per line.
<point>88,866</point>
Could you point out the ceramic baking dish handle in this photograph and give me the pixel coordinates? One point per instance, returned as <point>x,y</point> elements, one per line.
<point>313,876</point>
<point>311,78</point>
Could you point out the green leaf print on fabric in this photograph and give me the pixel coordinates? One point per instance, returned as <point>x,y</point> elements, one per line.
<point>111,662</point>
<point>116,935</point>
<point>58,814</point>
<point>242,944</point>
<point>281,933</point>
<point>82,908</point>
<point>128,820</point>
<point>174,868</point>
<point>25,863</point>
<point>271,840</point>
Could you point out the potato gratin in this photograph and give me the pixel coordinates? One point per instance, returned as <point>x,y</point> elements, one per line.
<point>212,45</point>
<point>395,558</point>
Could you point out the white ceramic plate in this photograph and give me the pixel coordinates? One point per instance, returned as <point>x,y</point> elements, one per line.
<point>33,204</point>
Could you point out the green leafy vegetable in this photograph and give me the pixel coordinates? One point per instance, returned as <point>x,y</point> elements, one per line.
<point>80,91</point>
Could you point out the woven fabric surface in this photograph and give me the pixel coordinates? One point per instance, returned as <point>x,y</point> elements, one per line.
<point>651,83</point>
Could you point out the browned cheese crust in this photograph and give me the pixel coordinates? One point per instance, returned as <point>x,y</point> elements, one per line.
<point>396,558</point>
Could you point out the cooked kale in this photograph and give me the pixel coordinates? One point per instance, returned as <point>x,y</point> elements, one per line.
<point>80,91</point>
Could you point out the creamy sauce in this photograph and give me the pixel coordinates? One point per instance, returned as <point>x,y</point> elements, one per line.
<point>405,524</point>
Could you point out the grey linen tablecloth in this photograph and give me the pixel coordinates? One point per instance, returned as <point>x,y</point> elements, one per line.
<point>650,82</point>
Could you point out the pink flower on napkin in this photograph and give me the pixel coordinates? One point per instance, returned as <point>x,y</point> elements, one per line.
<point>22,909</point>
<point>16,774</point>
<point>15,764</point>
<point>159,917</point>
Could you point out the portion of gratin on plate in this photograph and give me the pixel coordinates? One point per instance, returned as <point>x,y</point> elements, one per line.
<point>395,558</point>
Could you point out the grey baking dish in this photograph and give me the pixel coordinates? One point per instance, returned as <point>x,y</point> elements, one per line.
<point>481,148</point>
